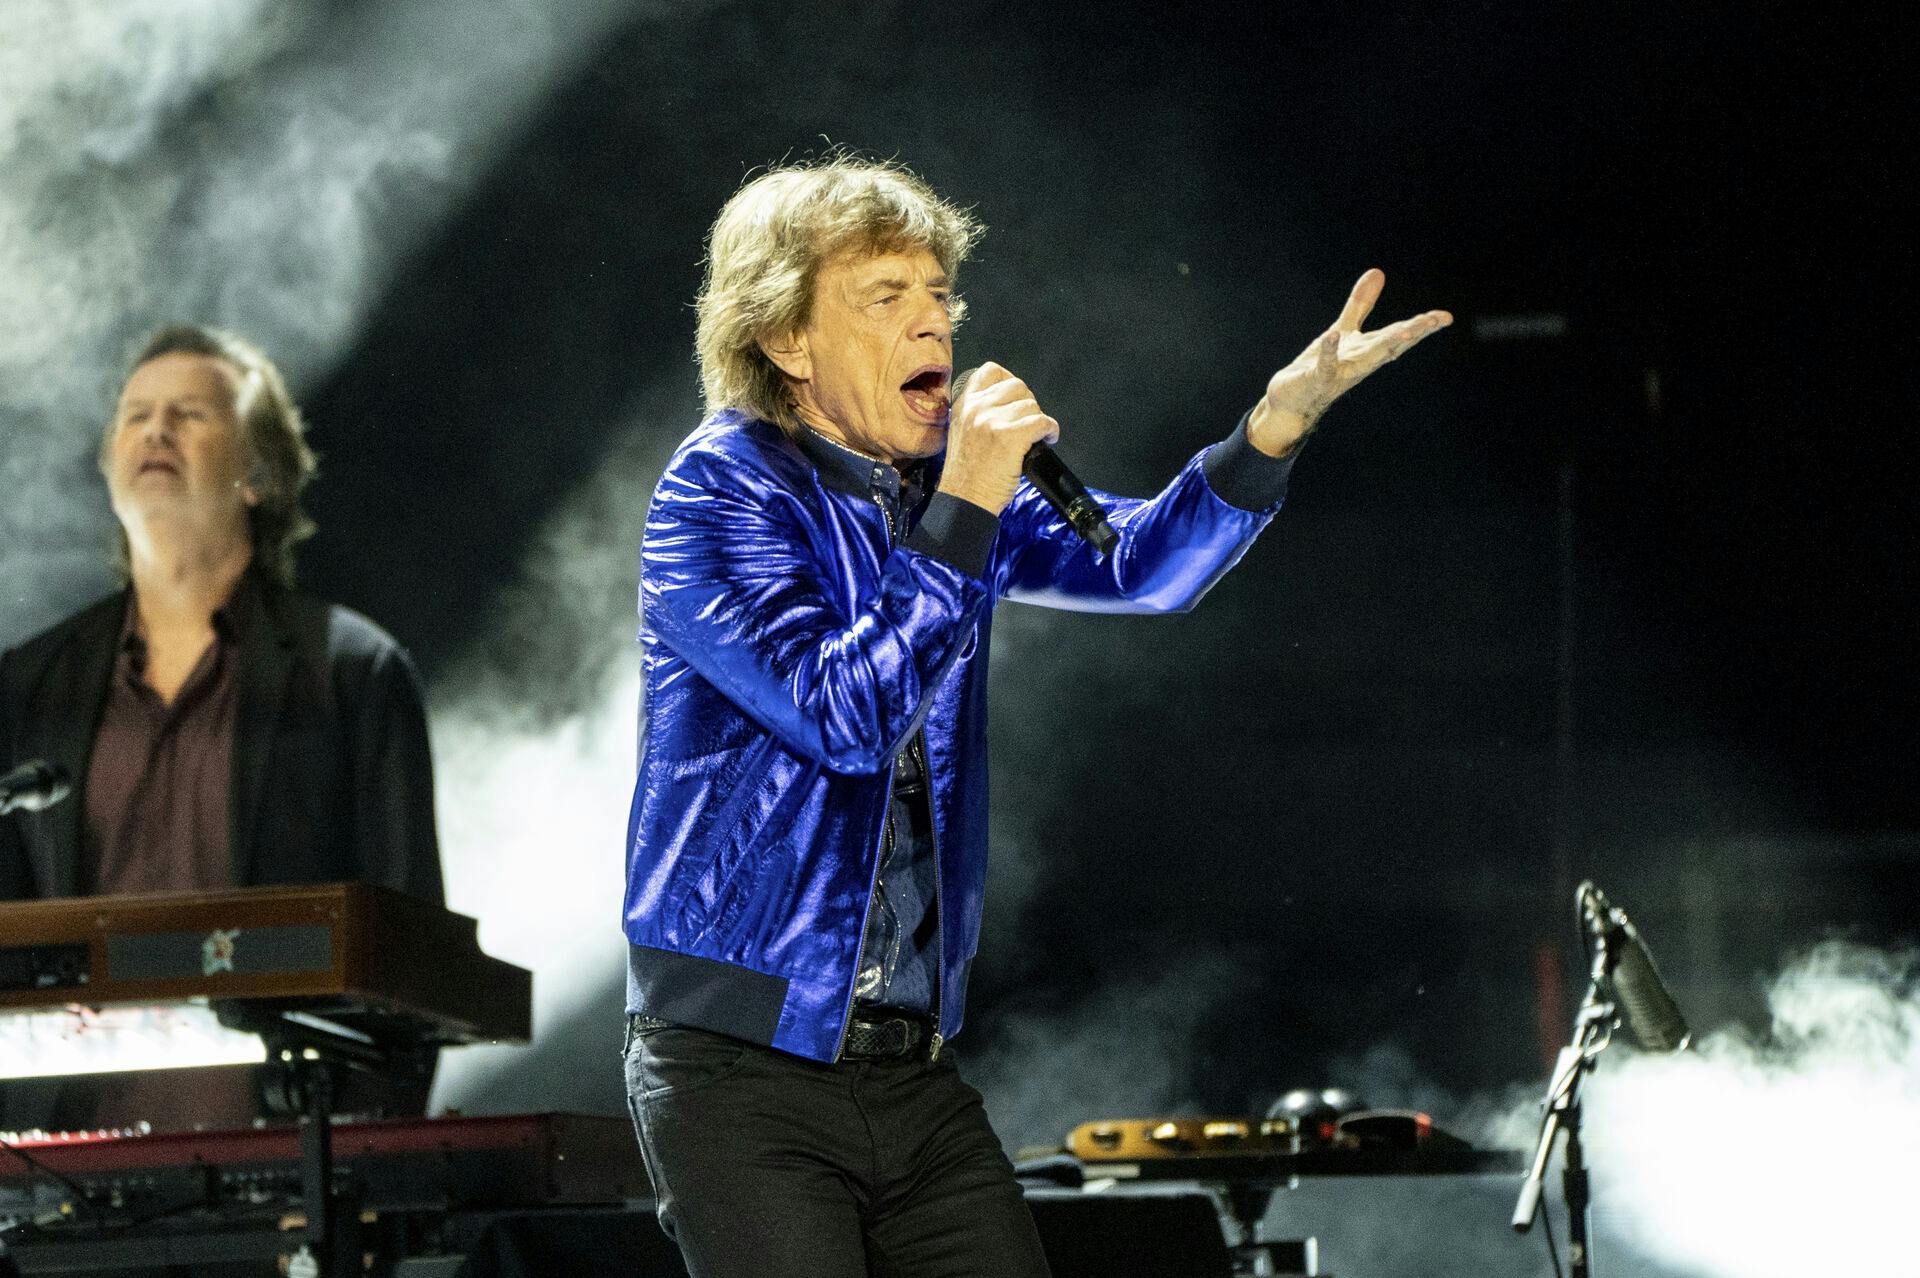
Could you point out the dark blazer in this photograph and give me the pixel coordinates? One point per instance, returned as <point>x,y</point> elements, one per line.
<point>331,776</point>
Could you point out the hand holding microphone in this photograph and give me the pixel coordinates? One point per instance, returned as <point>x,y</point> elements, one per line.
<point>996,433</point>
<point>991,424</point>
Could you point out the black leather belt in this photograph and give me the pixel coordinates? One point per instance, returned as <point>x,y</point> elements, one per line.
<point>889,1033</point>
<point>873,1034</point>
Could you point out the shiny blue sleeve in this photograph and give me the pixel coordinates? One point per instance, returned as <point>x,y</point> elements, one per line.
<point>1172,548</point>
<point>733,583</point>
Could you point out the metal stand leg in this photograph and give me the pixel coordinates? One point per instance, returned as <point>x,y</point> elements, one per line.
<point>1255,1255</point>
<point>1593,1030</point>
<point>1573,1183</point>
<point>333,1213</point>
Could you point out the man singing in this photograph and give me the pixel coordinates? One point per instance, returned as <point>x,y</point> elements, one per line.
<point>807,848</point>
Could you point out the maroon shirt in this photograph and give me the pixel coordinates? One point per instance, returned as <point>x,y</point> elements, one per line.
<point>158,796</point>
<point>158,815</point>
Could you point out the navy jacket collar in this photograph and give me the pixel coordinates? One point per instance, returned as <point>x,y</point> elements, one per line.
<point>844,469</point>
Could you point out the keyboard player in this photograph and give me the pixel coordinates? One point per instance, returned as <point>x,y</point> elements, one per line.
<point>222,728</point>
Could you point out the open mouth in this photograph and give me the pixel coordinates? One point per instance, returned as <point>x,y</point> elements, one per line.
<point>926,392</point>
<point>157,465</point>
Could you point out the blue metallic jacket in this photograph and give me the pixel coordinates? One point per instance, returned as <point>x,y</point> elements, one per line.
<point>790,649</point>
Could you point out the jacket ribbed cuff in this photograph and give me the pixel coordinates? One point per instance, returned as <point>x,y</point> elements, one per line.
<point>957,533</point>
<point>1243,476</point>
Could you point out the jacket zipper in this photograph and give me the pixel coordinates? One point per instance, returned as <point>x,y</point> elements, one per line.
<point>866,918</point>
<point>879,851</point>
<point>919,747</point>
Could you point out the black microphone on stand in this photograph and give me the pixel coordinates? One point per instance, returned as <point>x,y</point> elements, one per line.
<point>1062,489</point>
<point>1651,1013</point>
<point>34,785</point>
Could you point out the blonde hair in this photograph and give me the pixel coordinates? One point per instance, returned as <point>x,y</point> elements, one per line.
<point>765,252</point>
<point>280,463</point>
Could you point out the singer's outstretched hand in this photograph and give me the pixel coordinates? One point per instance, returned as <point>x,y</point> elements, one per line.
<point>995,421</point>
<point>1336,361</point>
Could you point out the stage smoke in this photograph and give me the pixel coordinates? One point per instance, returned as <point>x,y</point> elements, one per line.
<point>1128,1050</point>
<point>258,166</point>
<point>1752,1156</point>
<point>535,734</point>
<point>1781,1155</point>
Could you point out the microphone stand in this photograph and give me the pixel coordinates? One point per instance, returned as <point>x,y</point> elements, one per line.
<point>1593,1028</point>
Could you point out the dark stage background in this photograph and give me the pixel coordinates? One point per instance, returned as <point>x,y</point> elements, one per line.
<point>1612,579</point>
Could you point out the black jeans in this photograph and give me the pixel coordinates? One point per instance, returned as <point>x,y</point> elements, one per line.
<point>766,1164</point>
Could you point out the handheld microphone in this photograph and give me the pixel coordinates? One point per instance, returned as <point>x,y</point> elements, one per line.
<point>1060,486</point>
<point>1652,1014</point>
<point>33,786</point>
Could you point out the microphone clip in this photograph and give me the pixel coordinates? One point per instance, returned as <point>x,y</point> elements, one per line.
<point>1601,923</point>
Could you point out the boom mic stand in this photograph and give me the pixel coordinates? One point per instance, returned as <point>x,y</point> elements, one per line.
<point>1593,1027</point>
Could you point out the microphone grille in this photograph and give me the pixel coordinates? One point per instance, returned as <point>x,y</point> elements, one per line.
<point>1651,1012</point>
<point>960,385</point>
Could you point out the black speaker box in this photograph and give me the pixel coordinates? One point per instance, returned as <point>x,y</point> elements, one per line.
<point>1172,1235</point>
